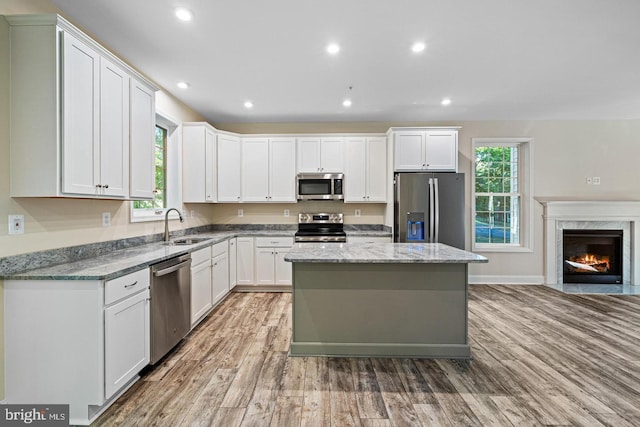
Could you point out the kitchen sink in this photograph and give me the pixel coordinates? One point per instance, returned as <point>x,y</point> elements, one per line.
<point>188,241</point>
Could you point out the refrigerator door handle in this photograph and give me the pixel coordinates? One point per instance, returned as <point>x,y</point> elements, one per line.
<point>436,208</point>
<point>431,212</point>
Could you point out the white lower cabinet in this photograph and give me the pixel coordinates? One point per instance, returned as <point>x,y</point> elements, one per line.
<point>201,291</point>
<point>126,349</point>
<point>220,271</point>
<point>80,342</point>
<point>271,268</point>
<point>233,263</point>
<point>244,269</point>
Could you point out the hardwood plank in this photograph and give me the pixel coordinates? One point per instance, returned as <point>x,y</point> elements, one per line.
<point>287,412</point>
<point>541,357</point>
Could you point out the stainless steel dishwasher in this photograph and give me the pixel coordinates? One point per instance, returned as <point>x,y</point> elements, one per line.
<point>170,304</point>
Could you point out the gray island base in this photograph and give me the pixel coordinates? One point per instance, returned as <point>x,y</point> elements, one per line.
<point>380,300</point>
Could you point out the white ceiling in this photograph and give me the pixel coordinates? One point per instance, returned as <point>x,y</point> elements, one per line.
<point>495,59</point>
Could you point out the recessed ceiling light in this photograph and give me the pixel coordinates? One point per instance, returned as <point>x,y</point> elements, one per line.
<point>445,101</point>
<point>418,47</point>
<point>183,85</point>
<point>346,103</point>
<point>184,14</point>
<point>333,48</point>
<point>248,104</point>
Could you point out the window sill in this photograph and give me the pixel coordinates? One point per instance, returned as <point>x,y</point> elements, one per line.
<point>147,215</point>
<point>501,248</point>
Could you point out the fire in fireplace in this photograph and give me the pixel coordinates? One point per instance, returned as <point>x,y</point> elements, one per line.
<point>592,256</point>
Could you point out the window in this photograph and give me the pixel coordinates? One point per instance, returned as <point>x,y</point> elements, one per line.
<point>167,172</point>
<point>502,194</point>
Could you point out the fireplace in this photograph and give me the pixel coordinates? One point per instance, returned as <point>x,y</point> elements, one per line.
<point>592,256</point>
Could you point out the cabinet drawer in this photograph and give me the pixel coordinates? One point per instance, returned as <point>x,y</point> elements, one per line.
<point>274,242</point>
<point>126,285</point>
<point>200,256</point>
<point>219,248</point>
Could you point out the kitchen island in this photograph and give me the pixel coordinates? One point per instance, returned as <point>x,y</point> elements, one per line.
<point>380,300</point>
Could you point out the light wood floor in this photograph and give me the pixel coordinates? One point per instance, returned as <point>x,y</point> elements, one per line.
<point>540,358</point>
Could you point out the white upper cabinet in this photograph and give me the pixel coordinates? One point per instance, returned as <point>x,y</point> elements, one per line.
<point>80,118</point>
<point>114,129</point>
<point>79,95</point>
<point>143,130</point>
<point>228,169</point>
<point>320,154</point>
<point>198,163</point>
<point>282,170</point>
<point>268,170</point>
<point>426,150</point>
<point>365,169</point>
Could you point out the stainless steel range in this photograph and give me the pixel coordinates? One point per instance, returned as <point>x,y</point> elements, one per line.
<point>320,227</point>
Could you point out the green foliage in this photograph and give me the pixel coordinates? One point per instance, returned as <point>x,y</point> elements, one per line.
<point>159,202</point>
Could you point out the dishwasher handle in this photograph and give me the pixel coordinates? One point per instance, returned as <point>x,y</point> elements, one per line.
<point>171,269</point>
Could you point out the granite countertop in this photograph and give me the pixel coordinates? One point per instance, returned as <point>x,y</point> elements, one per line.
<point>119,262</point>
<point>124,261</point>
<point>381,253</point>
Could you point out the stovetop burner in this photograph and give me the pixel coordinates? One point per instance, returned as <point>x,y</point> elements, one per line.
<point>320,227</point>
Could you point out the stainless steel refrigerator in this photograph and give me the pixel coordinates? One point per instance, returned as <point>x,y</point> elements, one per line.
<point>429,208</point>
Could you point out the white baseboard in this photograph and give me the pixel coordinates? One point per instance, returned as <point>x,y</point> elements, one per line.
<point>505,280</point>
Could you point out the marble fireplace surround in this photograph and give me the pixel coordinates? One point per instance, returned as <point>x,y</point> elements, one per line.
<point>589,215</point>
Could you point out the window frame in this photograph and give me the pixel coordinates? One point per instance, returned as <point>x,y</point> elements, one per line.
<point>525,186</point>
<point>173,173</point>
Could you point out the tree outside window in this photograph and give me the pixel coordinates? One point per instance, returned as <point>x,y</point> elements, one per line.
<point>502,190</point>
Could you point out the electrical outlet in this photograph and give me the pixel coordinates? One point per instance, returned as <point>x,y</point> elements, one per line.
<point>106,219</point>
<point>357,212</point>
<point>589,180</point>
<point>286,212</point>
<point>596,180</point>
<point>192,213</point>
<point>16,224</point>
<point>240,213</point>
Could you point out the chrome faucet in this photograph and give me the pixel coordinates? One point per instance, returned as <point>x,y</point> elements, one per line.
<point>166,222</point>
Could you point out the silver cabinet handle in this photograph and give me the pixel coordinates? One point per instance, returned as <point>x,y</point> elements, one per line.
<point>131,285</point>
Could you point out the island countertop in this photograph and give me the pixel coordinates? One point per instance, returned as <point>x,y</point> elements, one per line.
<point>381,253</point>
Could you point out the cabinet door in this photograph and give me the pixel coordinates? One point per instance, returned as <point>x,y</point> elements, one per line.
<point>114,130</point>
<point>142,183</point>
<point>228,168</point>
<point>194,164</point>
<point>282,170</point>
<point>308,154</point>
<point>80,118</point>
<point>409,151</point>
<point>201,291</point>
<point>210,165</point>
<point>233,263</point>
<point>376,170</point>
<point>127,341</point>
<point>265,266</point>
<point>255,170</point>
<point>244,270</point>
<point>331,155</point>
<point>355,170</point>
<point>220,273</point>
<point>442,150</point>
<point>283,269</point>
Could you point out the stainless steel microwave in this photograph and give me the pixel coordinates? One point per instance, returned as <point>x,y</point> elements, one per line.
<point>320,186</point>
